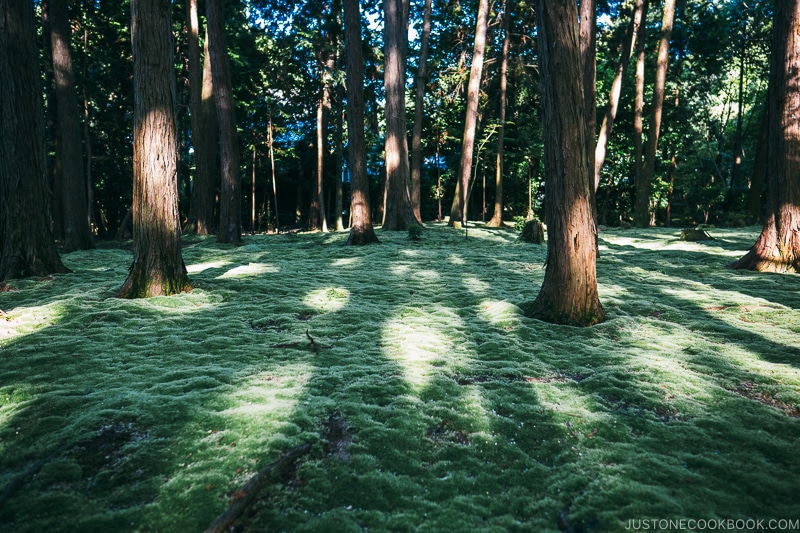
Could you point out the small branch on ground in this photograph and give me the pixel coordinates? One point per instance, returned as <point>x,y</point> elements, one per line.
<point>245,496</point>
<point>312,345</point>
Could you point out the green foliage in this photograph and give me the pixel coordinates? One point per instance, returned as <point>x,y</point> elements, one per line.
<point>415,232</point>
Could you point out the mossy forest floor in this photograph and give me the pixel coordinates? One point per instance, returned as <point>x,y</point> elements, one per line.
<point>431,403</point>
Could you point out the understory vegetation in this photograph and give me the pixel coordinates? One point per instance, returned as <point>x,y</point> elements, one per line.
<point>430,401</point>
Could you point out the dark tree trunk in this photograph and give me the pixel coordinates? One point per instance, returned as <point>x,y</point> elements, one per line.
<point>419,112</point>
<point>458,215</point>
<point>230,198</point>
<point>204,131</point>
<point>737,141</point>
<point>27,247</point>
<point>778,247</point>
<point>759,168</point>
<point>588,38</point>
<point>338,141</point>
<point>497,217</point>
<point>569,290</point>
<point>638,105</point>
<point>77,230</point>
<point>158,267</point>
<point>361,231</point>
<point>642,208</point>
<point>316,215</point>
<point>639,15</point>
<point>398,214</point>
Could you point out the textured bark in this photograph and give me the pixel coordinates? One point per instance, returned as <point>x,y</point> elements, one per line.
<point>77,230</point>
<point>639,15</point>
<point>638,106</point>
<point>398,214</point>
<point>230,198</point>
<point>777,249</point>
<point>588,39</point>
<point>27,247</point>
<point>459,213</point>
<point>641,215</point>
<point>569,290</point>
<point>158,267</point>
<point>419,112</point>
<point>204,130</point>
<point>361,230</point>
<point>497,217</point>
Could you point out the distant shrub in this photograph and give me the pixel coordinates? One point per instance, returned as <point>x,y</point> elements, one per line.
<point>519,222</point>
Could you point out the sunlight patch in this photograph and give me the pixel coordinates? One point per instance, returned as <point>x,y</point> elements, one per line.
<point>26,320</point>
<point>253,269</point>
<point>328,299</point>
<point>475,286</point>
<point>499,313</point>
<point>200,267</point>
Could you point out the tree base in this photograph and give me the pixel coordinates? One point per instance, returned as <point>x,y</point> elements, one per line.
<point>762,263</point>
<point>545,312</point>
<point>361,237</point>
<point>495,222</point>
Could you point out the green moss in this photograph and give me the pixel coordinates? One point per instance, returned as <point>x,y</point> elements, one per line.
<point>462,413</point>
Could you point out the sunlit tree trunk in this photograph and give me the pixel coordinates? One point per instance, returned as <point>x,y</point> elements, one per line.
<point>204,130</point>
<point>639,15</point>
<point>361,231</point>
<point>398,213</point>
<point>497,217</point>
<point>158,267</point>
<point>778,247</point>
<point>230,198</point>
<point>419,103</point>
<point>642,207</point>
<point>459,214</point>
<point>77,231</point>
<point>569,290</point>
<point>27,247</point>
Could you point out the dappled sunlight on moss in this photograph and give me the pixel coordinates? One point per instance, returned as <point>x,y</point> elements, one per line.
<point>22,321</point>
<point>251,269</point>
<point>328,299</point>
<point>200,267</point>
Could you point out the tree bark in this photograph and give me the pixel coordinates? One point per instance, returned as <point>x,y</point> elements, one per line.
<point>361,230</point>
<point>158,267</point>
<point>27,247</point>
<point>204,130</point>
<point>642,206</point>
<point>639,15</point>
<point>569,290</point>
<point>588,39</point>
<point>638,106</point>
<point>398,214</point>
<point>497,216</point>
<point>230,208</point>
<point>777,249</point>
<point>419,104</point>
<point>77,231</point>
<point>459,214</point>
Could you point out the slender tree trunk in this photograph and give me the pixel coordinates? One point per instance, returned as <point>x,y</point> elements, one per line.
<point>737,142</point>
<point>639,15</point>
<point>778,247</point>
<point>673,164</point>
<point>497,216</point>
<point>588,39</point>
<point>361,231</point>
<point>27,247</point>
<point>638,105</point>
<point>458,215</point>
<point>77,232</point>
<point>642,206</point>
<point>230,209</point>
<point>158,267</point>
<point>338,141</point>
<point>253,190</point>
<point>53,135</point>
<point>759,168</point>
<point>569,290</point>
<point>271,140</point>
<point>87,138</point>
<point>204,130</point>
<point>316,216</point>
<point>416,137</point>
<point>398,214</point>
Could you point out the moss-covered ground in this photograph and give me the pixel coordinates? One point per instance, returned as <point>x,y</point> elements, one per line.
<point>432,404</point>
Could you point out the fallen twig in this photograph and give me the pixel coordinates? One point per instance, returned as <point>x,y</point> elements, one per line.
<point>247,494</point>
<point>312,344</point>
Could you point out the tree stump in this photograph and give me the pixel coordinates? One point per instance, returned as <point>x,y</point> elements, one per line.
<point>533,231</point>
<point>695,235</point>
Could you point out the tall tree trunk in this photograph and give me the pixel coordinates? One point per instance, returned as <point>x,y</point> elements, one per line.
<point>569,290</point>
<point>642,207</point>
<point>87,138</point>
<point>778,247</point>
<point>230,208</point>
<point>338,141</point>
<point>270,141</point>
<point>316,216</point>
<point>638,105</point>
<point>419,104</point>
<point>759,168</point>
<point>361,231</point>
<point>52,132</point>
<point>204,130</point>
<point>398,214</point>
<point>27,247</point>
<point>77,232</point>
<point>158,267</point>
<point>737,141</point>
<point>458,215</point>
<point>639,15</point>
<point>588,39</point>
<point>497,217</point>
